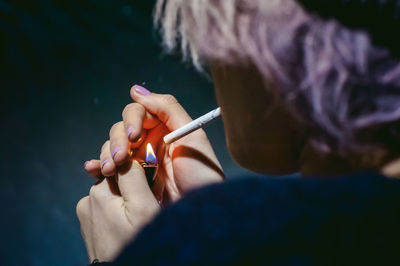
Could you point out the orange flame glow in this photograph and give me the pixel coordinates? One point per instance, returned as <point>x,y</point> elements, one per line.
<point>150,155</point>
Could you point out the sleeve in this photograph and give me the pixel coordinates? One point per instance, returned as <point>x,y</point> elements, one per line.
<point>270,221</point>
<point>208,224</point>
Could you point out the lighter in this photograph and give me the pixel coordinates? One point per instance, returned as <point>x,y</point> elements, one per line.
<point>150,165</point>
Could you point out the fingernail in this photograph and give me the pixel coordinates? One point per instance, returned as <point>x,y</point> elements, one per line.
<point>104,162</point>
<point>86,163</point>
<point>115,150</point>
<point>141,90</point>
<point>129,131</point>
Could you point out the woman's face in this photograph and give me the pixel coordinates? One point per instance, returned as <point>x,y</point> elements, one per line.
<point>261,135</point>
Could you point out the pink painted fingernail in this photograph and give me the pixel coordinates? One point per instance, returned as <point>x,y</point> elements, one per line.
<point>115,150</point>
<point>129,131</point>
<point>141,90</point>
<point>103,163</point>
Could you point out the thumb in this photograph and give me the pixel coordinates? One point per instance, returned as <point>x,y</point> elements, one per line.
<point>164,106</point>
<point>134,188</point>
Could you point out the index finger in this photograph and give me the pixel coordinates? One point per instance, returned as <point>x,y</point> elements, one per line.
<point>164,106</point>
<point>136,118</point>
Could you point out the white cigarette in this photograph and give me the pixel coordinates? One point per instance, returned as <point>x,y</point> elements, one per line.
<point>193,126</point>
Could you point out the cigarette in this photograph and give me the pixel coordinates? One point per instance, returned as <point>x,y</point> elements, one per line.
<point>193,126</point>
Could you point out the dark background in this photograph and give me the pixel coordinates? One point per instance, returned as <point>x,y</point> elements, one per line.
<point>66,71</point>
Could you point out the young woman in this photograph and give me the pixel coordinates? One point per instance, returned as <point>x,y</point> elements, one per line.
<point>312,89</point>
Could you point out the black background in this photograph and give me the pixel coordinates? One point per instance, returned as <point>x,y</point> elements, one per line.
<point>66,71</point>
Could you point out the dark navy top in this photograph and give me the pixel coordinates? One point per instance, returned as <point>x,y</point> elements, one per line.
<point>351,220</point>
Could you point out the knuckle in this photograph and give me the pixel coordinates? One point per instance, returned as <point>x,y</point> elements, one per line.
<point>105,145</point>
<point>133,107</point>
<point>81,207</point>
<point>93,192</point>
<point>99,190</point>
<point>169,99</point>
<point>115,127</point>
<point>126,110</point>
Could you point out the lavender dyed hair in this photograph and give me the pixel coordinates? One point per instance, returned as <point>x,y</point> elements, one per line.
<point>342,88</point>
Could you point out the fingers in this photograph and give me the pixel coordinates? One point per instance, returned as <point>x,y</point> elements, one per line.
<point>131,182</point>
<point>107,164</point>
<point>134,188</point>
<point>119,144</point>
<point>153,137</point>
<point>82,208</point>
<point>116,151</point>
<point>129,134</point>
<point>108,187</point>
<point>136,118</point>
<point>164,106</point>
<point>93,168</point>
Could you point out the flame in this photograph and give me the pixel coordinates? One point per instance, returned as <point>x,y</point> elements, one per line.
<point>150,155</point>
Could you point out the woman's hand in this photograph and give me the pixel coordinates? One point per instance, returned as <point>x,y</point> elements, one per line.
<point>122,203</point>
<point>115,210</point>
<point>184,165</point>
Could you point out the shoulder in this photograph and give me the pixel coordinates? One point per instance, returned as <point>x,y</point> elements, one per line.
<point>268,193</point>
<point>264,219</point>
